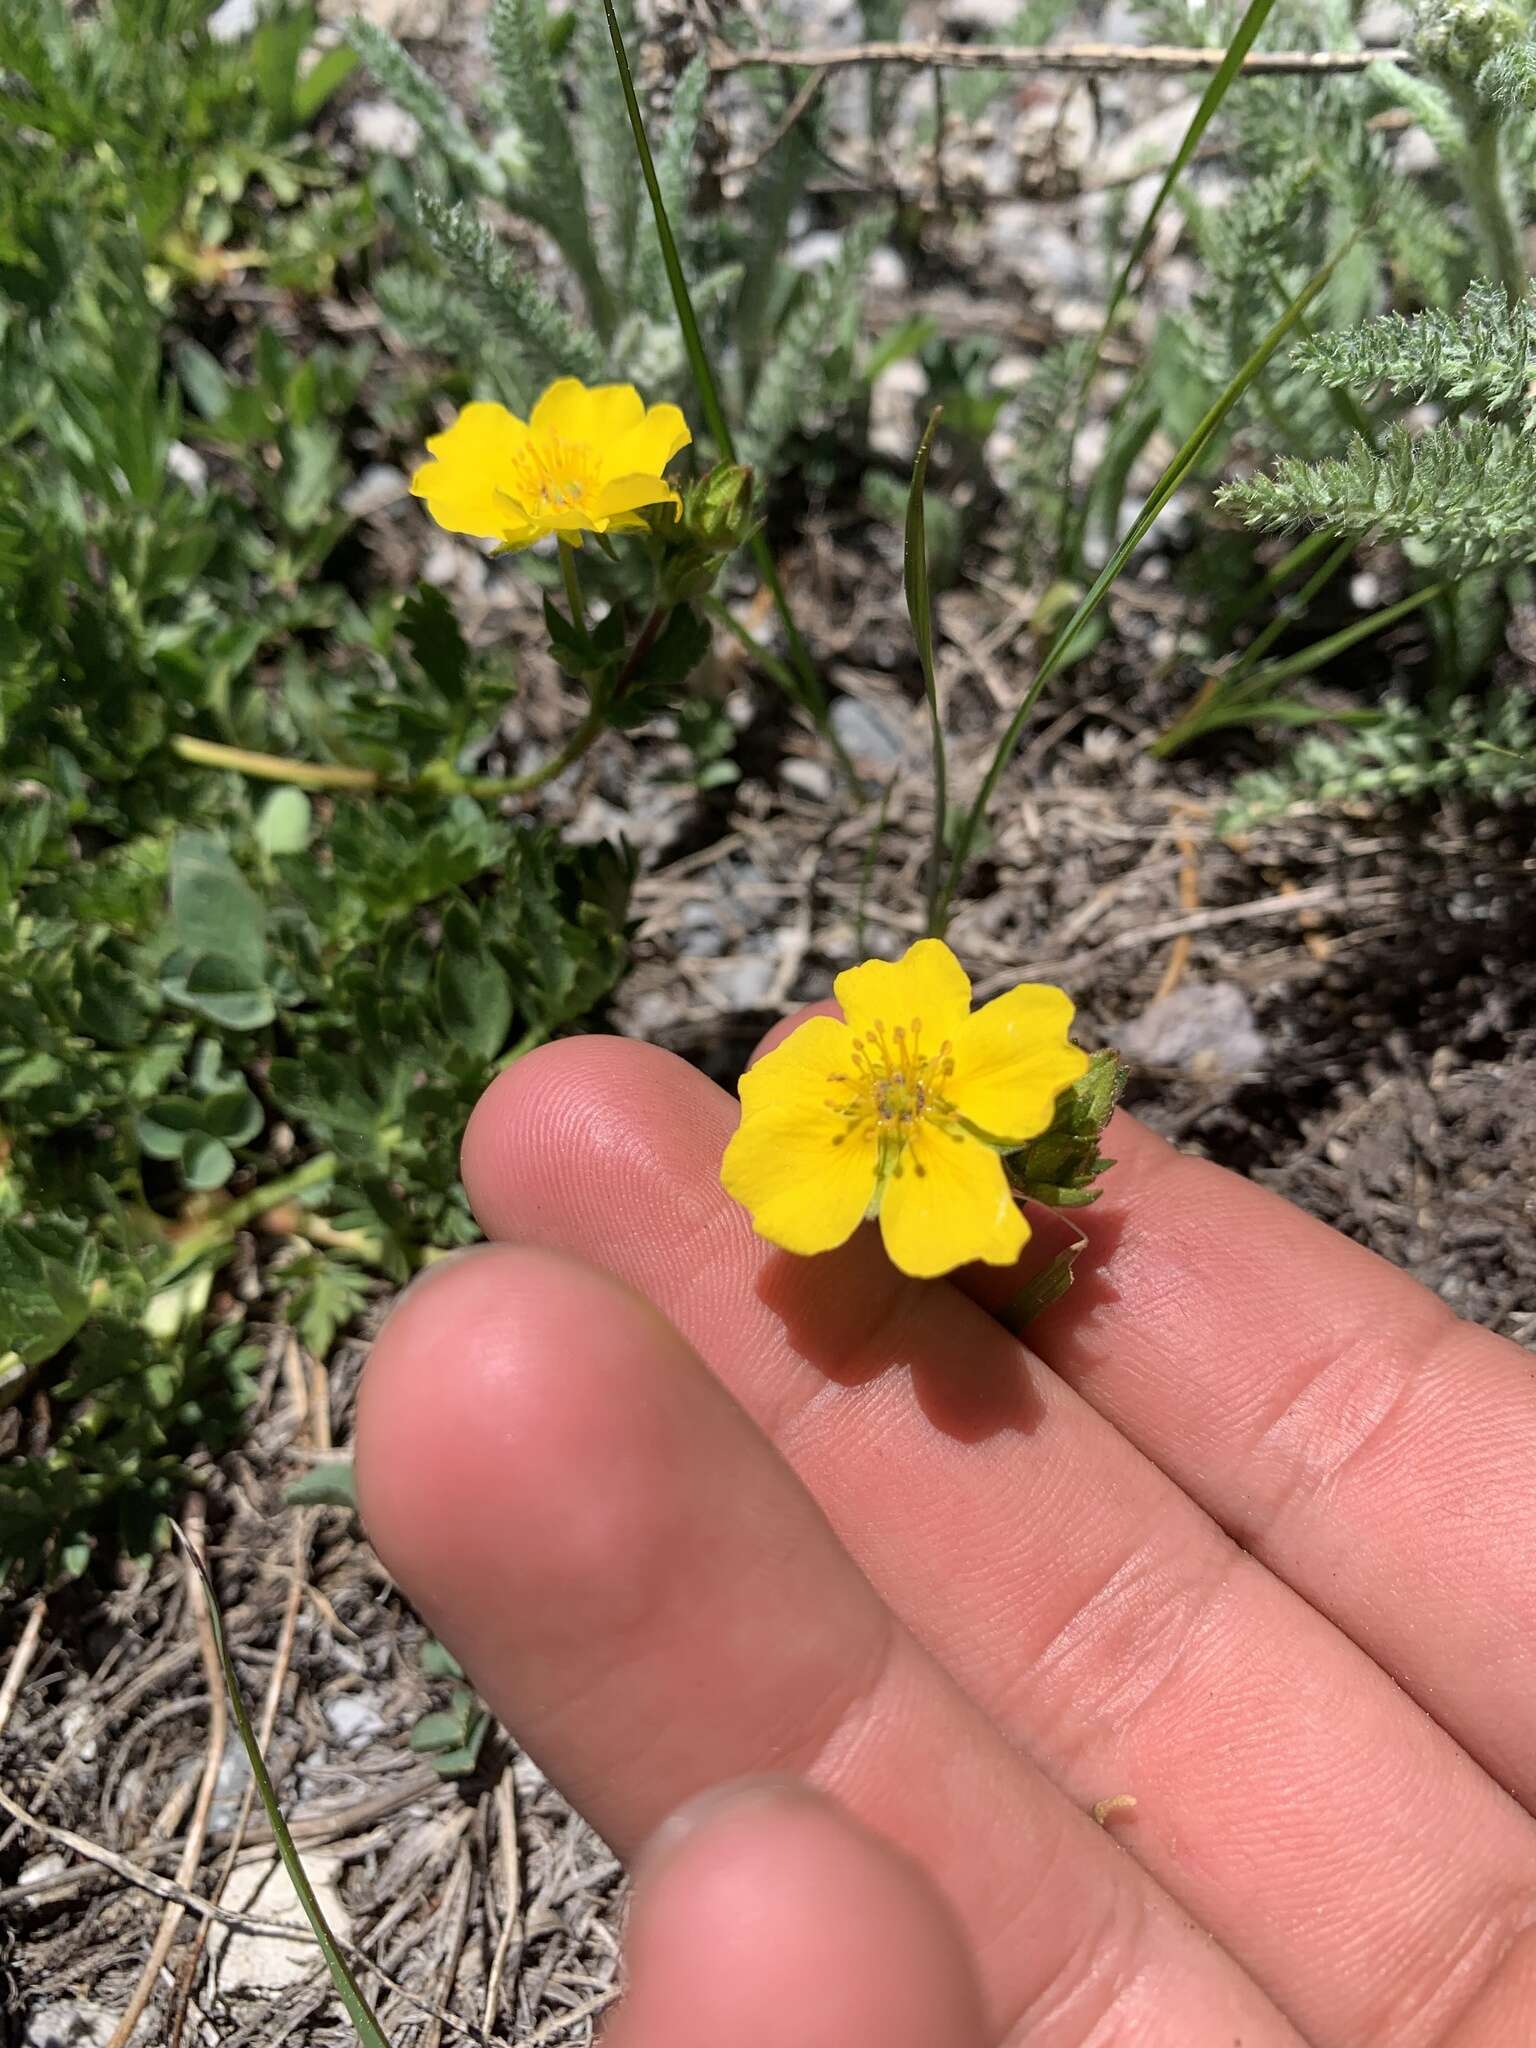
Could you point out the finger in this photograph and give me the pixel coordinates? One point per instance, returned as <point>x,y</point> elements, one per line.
<point>1288,1794</point>
<point>639,1587</point>
<point>1368,1446</point>
<point>1353,1434</point>
<point>776,1918</point>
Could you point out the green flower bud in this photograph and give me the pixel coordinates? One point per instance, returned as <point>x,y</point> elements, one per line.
<point>718,509</point>
<point>1456,38</point>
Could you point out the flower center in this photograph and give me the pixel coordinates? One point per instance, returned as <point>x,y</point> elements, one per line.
<point>551,473</point>
<point>896,1083</point>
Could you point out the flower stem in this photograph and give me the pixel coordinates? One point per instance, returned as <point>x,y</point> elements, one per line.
<point>438,779</point>
<point>1486,188</point>
<point>220,1230</point>
<point>274,767</point>
<point>572,586</point>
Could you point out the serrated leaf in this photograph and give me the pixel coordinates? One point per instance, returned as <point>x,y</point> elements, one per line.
<point>45,1272</point>
<point>431,631</point>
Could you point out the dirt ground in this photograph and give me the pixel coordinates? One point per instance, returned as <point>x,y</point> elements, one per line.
<point>1343,1008</point>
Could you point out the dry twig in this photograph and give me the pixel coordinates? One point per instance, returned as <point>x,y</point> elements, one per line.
<point>1079,57</point>
<point>197,1832</point>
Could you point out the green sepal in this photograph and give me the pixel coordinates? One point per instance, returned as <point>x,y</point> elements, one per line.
<point>1059,1167</point>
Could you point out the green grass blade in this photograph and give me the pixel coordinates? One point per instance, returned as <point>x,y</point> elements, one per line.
<point>1247,32</point>
<point>809,692</point>
<point>914,576</point>
<point>1246,699</point>
<point>356,2006</point>
<point>1172,477</point>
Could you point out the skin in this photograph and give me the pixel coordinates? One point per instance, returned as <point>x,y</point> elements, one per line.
<point>1246,1532</point>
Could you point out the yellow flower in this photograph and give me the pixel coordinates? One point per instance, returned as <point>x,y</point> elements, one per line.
<point>902,1112</point>
<point>585,461</point>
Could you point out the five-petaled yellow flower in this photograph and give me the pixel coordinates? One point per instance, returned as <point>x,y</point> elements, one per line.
<point>586,460</point>
<point>902,1111</point>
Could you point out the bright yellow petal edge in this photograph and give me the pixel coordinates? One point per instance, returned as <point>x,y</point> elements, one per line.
<point>901,1112</point>
<point>586,460</point>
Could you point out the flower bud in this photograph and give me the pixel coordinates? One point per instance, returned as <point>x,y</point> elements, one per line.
<point>718,509</point>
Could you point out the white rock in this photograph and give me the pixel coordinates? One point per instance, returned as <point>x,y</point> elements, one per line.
<point>188,467</point>
<point>236,18</point>
<point>389,130</point>
<point>69,2026</point>
<point>354,1718</point>
<point>1206,1029</point>
<point>380,486</point>
<point>821,246</point>
<point>260,1962</point>
<point>866,733</point>
<point>893,399</point>
<point>887,272</point>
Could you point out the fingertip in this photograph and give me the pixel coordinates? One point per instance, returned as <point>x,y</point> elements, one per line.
<point>764,1913</point>
<point>571,1127</point>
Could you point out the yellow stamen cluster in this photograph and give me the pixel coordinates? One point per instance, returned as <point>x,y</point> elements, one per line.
<point>898,1085</point>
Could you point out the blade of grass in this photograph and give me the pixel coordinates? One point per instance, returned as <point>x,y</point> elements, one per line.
<point>810,693</point>
<point>914,576</point>
<point>1230,681</point>
<point>1251,698</point>
<point>356,2006</point>
<point>1248,28</point>
<point>1172,477</point>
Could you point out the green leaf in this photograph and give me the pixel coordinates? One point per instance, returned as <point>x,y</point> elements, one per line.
<point>676,652</point>
<point>437,1661</point>
<point>428,627</point>
<point>218,965</point>
<point>284,822</point>
<point>206,1162</point>
<point>1048,1285</point>
<point>474,995</point>
<point>447,1729</point>
<point>45,1275</point>
<point>332,1484</point>
<point>460,1762</point>
<point>315,86</point>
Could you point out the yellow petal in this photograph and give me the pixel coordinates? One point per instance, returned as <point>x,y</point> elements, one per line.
<point>628,493</point>
<point>649,445</point>
<point>927,984</point>
<point>950,1204</point>
<point>565,409</point>
<point>1012,1060</point>
<point>473,458</point>
<point>794,1162</point>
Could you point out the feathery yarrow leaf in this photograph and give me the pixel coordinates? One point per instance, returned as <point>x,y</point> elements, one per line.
<point>1483,747</point>
<point>496,285</point>
<point>1484,352</point>
<point>1467,493</point>
<point>794,381</point>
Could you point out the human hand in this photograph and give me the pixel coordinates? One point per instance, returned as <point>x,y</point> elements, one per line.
<point>1248,1533</point>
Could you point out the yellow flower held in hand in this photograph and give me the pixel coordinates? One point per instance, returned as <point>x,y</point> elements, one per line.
<point>586,460</point>
<point>903,1112</point>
